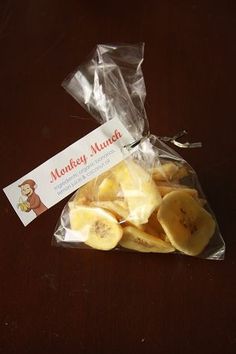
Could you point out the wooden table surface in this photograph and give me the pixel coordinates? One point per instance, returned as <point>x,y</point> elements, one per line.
<point>57,300</point>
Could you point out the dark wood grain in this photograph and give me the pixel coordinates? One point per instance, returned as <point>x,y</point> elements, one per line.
<point>56,300</point>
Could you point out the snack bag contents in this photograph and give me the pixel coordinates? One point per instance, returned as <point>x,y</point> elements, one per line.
<point>149,202</point>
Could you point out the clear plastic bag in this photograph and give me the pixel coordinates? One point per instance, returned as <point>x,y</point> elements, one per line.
<point>151,201</point>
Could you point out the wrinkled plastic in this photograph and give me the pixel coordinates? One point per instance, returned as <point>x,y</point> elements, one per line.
<point>111,84</point>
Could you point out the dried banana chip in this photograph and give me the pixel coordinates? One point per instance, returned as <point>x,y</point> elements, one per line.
<point>167,188</point>
<point>188,226</point>
<point>100,229</point>
<point>138,240</point>
<point>117,207</point>
<point>169,172</point>
<point>139,191</point>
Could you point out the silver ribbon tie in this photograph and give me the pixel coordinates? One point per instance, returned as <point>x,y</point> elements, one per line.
<point>168,139</point>
<point>174,140</point>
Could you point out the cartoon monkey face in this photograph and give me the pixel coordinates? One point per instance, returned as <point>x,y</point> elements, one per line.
<point>26,190</point>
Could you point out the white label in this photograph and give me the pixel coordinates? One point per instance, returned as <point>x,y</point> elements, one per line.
<point>65,172</point>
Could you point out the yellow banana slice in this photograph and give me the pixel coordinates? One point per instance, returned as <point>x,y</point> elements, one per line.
<point>117,207</point>
<point>153,227</point>
<point>141,241</point>
<point>98,227</point>
<point>89,191</point>
<point>139,190</point>
<point>78,201</point>
<point>85,193</point>
<point>168,172</point>
<point>188,226</point>
<point>109,189</point>
<point>167,188</point>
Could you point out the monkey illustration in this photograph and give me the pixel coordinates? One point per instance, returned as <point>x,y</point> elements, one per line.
<point>33,201</point>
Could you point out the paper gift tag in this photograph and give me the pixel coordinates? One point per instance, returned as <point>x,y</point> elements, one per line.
<point>65,172</point>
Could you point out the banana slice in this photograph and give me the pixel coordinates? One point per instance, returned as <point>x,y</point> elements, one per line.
<point>117,207</point>
<point>139,190</point>
<point>141,241</point>
<point>78,201</point>
<point>168,172</point>
<point>98,227</point>
<point>167,188</point>
<point>89,191</point>
<point>109,189</point>
<point>153,227</point>
<point>188,226</point>
<point>85,193</point>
